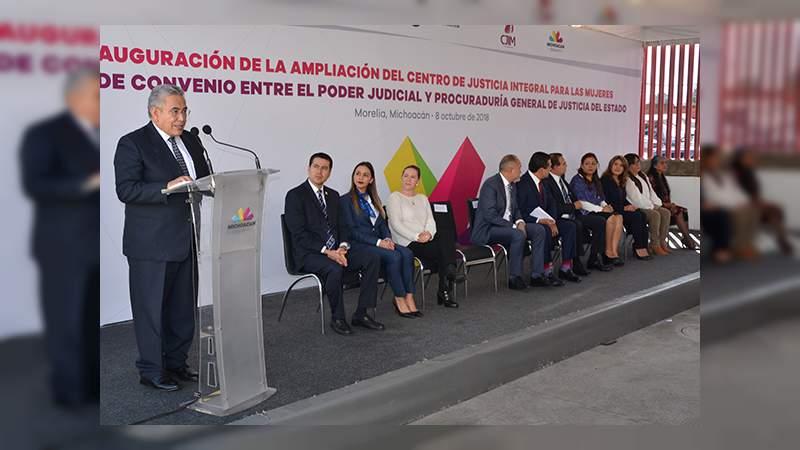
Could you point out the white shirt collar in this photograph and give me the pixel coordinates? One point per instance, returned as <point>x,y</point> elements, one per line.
<point>314,188</point>
<point>536,181</point>
<point>555,177</point>
<point>505,182</point>
<point>164,135</point>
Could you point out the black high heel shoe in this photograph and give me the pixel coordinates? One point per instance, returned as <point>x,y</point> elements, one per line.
<point>443,298</point>
<point>402,314</point>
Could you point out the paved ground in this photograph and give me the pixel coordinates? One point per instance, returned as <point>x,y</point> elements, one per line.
<point>650,376</point>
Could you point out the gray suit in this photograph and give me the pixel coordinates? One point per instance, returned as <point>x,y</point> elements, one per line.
<point>489,227</point>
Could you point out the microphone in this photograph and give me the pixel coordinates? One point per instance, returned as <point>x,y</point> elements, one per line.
<point>207,130</point>
<point>196,133</point>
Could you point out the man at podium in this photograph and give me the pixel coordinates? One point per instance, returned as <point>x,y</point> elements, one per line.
<point>157,237</point>
<point>318,235</point>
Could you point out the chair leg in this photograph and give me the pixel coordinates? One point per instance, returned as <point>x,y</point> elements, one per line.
<point>321,309</point>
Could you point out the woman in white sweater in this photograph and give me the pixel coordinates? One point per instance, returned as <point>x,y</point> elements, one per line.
<point>412,225</point>
<point>641,195</point>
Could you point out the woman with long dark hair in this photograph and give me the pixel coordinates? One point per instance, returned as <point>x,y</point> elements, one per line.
<point>641,195</point>
<point>613,181</point>
<point>657,173</point>
<point>589,191</point>
<point>365,220</point>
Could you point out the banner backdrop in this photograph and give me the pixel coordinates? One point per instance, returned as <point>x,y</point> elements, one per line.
<point>450,99</point>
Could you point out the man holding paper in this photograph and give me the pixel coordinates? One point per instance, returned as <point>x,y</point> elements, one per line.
<point>537,209</point>
<point>498,221</point>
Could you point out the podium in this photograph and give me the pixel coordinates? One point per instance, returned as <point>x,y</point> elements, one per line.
<point>227,211</point>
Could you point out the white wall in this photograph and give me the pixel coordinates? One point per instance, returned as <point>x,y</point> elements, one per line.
<point>286,130</point>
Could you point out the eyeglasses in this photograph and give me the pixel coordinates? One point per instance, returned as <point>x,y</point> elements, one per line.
<point>175,112</point>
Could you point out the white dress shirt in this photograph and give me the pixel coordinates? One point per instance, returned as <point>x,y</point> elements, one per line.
<point>558,183</point>
<point>187,158</point>
<point>507,214</point>
<point>536,182</point>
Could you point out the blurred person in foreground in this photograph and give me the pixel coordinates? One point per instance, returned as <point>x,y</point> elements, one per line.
<point>60,158</point>
<point>158,236</point>
<point>744,164</point>
<point>727,214</point>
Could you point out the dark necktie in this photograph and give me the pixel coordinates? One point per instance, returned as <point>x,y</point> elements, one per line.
<point>178,156</point>
<point>330,241</point>
<point>564,191</point>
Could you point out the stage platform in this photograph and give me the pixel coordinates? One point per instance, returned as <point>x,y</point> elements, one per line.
<point>449,354</point>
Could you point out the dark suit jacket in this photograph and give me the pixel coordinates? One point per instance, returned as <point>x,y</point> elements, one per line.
<point>491,208</point>
<point>359,226</point>
<point>306,222</point>
<point>528,198</point>
<point>57,157</point>
<point>157,226</point>
<point>557,199</point>
<point>615,195</point>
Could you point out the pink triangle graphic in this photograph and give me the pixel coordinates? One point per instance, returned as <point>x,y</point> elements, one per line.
<point>459,182</point>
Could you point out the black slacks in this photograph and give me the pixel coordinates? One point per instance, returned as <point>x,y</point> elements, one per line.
<point>441,251</point>
<point>163,305</point>
<point>331,273</point>
<point>70,299</point>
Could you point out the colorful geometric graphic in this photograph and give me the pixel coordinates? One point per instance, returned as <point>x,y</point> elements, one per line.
<point>460,181</point>
<point>555,36</point>
<point>407,155</point>
<point>242,215</point>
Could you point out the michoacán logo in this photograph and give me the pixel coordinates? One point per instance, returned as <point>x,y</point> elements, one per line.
<point>242,218</point>
<point>555,40</point>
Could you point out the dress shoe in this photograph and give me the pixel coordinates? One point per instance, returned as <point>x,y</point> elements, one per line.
<point>340,326</point>
<point>183,374</point>
<point>617,261</point>
<point>367,322</point>
<point>516,284</point>
<point>554,280</point>
<point>443,298</point>
<point>643,258</point>
<point>599,265</point>
<point>569,275</point>
<point>402,314</point>
<point>579,270</point>
<point>161,383</point>
<point>540,281</point>
<point>657,250</point>
<point>688,243</point>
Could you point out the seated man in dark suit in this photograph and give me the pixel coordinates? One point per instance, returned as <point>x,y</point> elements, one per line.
<point>318,234</point>
<point>532,194</point>
<point>498,221</point>
<point>566,207</point>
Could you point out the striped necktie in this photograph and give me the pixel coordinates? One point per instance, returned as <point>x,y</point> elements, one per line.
<point>330,241</point>
<point>178,156</point>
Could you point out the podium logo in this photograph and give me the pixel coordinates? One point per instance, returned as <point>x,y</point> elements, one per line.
<point>242,218</point>
<point>555,40</point>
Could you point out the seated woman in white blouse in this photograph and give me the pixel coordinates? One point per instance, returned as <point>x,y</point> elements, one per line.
<point>641,195</point>
<point>412,225</point>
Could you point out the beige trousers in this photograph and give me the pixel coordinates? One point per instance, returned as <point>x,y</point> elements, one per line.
<point>658,221</point>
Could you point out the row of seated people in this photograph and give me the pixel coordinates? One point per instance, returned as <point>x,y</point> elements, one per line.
<point>332,233</point>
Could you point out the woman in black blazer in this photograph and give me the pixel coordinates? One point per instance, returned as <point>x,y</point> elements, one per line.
<point>613,181</point>
<point>365,219</point>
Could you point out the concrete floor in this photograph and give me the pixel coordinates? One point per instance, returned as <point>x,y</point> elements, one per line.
<point>651,376</point>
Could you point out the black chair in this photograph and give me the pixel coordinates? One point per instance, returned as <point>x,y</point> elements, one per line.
<point>469,255</point>
<point>500,249</point>
<point>291,268</point>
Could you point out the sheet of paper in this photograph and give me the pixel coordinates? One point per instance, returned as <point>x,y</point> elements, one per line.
<point>539,213</point>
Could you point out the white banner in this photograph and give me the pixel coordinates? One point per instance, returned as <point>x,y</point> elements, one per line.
<point>392,95</point>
